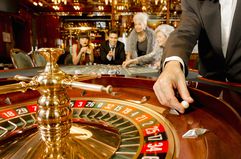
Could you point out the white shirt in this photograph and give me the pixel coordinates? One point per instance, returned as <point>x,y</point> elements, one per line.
<point>112,48</point>
<point>227,9</point>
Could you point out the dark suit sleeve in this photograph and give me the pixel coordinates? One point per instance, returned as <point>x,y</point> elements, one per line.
<point>183,39</point>
<point>120,53</point>
<point>103,53</point>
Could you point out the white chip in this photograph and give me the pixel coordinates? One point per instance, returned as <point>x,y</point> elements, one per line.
<point>185,104</point>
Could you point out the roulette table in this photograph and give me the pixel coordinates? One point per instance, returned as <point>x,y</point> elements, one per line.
<point>145,71</point>
<point>134,128</point>
<point>134,70</point>
<point>124,123</point>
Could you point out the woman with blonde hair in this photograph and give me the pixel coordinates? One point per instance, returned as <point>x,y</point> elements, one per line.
<point>141,39</point>
<point>161,34</point>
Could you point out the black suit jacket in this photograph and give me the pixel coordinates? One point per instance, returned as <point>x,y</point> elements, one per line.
<point>119,53</point>
<point>201,21</point>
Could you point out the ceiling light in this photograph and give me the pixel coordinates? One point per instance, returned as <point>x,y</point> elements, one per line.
<point>35,3</point>
<point>59,1</point>
<point>40,4</point>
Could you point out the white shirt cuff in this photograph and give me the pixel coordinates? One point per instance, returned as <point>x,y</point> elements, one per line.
<point>108,57</point>
<point>174,58</point>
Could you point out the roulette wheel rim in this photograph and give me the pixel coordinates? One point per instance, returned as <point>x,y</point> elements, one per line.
<point>173,141</point>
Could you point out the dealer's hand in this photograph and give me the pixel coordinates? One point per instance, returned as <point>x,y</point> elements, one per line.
<point>172,78</point>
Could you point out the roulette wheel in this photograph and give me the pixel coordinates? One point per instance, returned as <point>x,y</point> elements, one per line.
<point>122,122</point>
<point>101,128</point>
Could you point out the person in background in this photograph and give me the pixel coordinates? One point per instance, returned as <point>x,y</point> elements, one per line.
<point>82,52</point>
<point>141,39</point>
<point>112,51</point>
<point>161,34</point>
<point>216,26</point>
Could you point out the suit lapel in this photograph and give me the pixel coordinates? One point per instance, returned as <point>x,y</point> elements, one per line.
<point>210,11</point>
<point>235,34</point>
<point>108,45</point>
